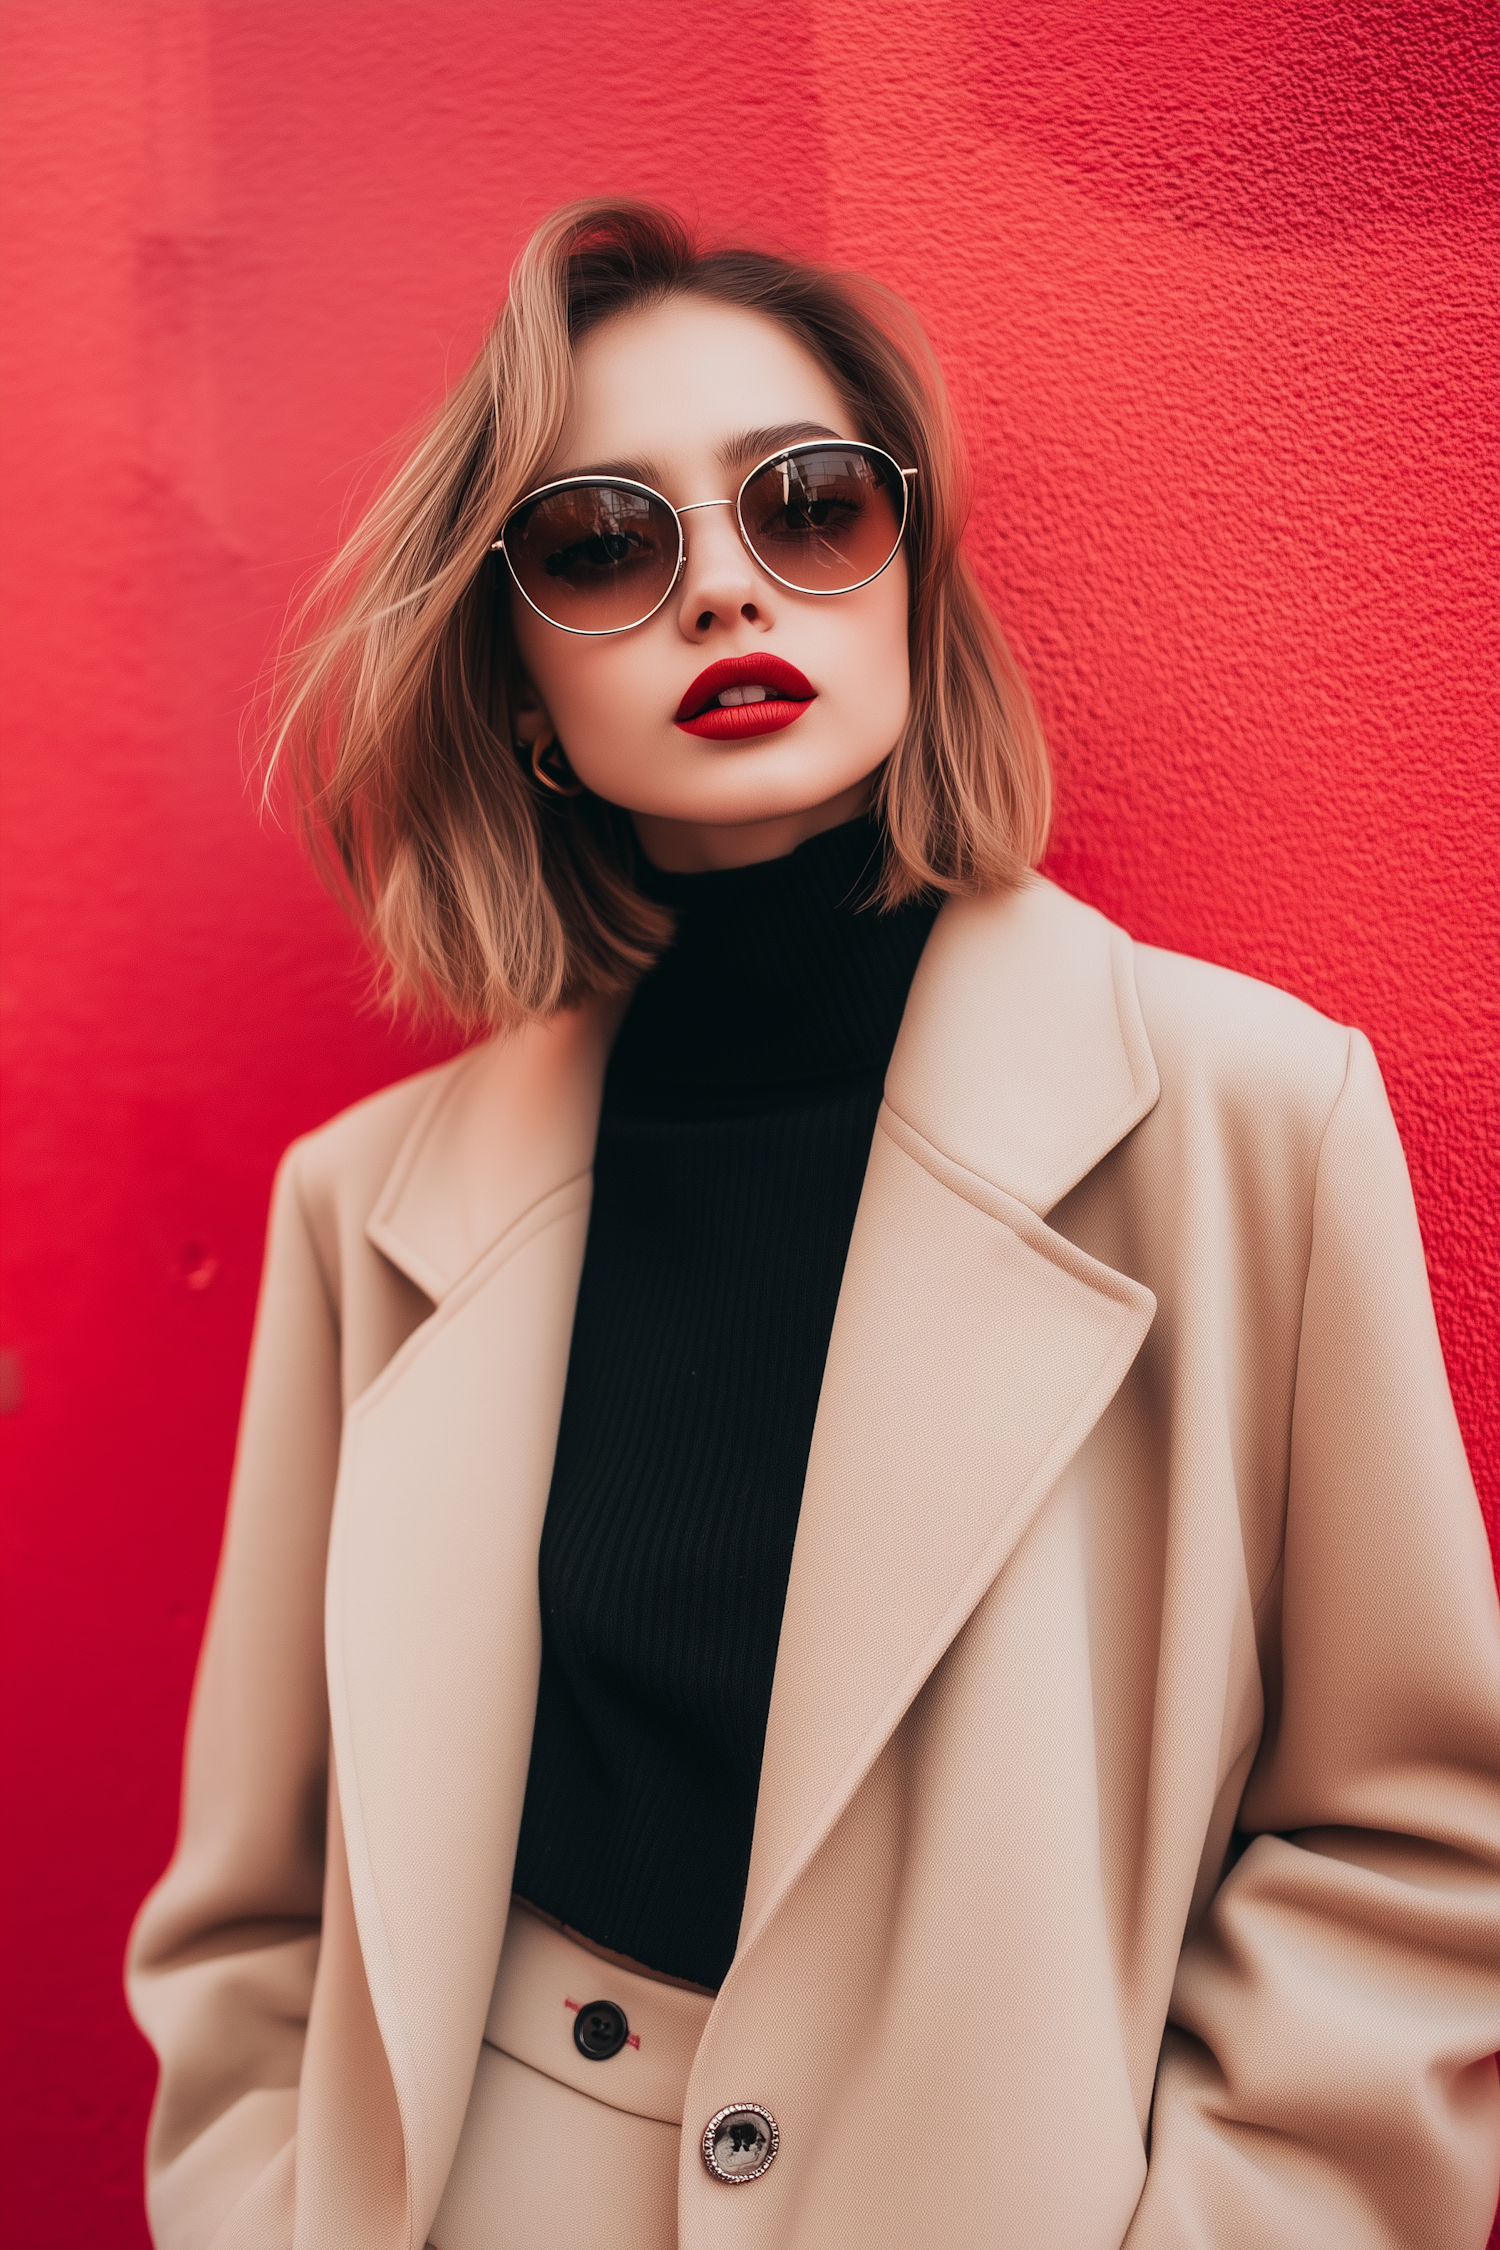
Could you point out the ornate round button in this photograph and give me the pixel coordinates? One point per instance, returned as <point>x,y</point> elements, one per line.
<point>601,2030</point>
<point>739,2143</point>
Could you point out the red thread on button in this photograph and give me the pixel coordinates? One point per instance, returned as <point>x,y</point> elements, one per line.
<point>632,2038</point>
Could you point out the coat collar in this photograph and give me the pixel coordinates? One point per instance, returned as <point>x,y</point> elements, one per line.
<point>1023,1055</point>
<point>503,1126</point>
<point>981,1070</point>
<point>972,1351</point>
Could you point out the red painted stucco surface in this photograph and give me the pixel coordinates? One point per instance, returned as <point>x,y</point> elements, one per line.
<point>1215,285</point>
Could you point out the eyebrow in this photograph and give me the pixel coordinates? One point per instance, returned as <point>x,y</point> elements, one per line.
<point>743,445</point>
<point>752,445</point>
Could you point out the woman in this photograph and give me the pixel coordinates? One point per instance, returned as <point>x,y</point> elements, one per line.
<point>923,1667</point>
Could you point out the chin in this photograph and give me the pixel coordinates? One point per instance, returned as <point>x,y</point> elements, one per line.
<point>743,808</point>
<point>767,780</point>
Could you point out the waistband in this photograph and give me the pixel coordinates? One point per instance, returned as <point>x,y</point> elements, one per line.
<point>556,2000</point>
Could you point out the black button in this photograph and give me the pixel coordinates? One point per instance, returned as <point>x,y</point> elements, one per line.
<point>601,2030</point>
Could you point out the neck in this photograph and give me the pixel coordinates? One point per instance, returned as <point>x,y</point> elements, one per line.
<point>688,847</point>
<point>782,984</point>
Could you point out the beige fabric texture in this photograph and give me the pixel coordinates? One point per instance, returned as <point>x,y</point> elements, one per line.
<point>1127,1858</point>
<point>542,2167</point>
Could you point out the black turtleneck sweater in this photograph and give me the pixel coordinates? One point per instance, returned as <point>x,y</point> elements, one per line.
<point>739,1106</point>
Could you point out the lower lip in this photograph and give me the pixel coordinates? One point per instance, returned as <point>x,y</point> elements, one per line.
<point>741,722</point>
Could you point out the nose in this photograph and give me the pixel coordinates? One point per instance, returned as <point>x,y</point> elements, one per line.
<point>720,582</point>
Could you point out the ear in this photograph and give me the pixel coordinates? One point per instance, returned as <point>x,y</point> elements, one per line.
<point>531,721</point>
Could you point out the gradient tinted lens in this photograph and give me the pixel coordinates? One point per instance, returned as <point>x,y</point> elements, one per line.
<point>595,557</point>
<point>824,518</point>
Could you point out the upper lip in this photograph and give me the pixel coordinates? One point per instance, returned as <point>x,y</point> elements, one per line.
<point>745,671</point>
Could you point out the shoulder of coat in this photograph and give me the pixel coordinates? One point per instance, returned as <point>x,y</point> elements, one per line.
<point>1218,1029</point>
<point>345,1163</point>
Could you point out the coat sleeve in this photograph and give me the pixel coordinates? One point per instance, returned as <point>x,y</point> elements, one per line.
<point>1327,2075</point>
<point>223,1954</point>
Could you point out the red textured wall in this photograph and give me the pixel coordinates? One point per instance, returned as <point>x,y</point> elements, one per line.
<point>1214,282</point>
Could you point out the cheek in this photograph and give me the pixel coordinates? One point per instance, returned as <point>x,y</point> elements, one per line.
<point>878,658</point>
<point>610,701</point>
<point>586,685</point>
<point>606,694</point>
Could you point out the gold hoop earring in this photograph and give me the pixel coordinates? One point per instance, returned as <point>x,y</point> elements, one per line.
<point>551,768</point>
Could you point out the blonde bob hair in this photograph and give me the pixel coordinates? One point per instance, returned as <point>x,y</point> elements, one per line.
<point>391,717</point>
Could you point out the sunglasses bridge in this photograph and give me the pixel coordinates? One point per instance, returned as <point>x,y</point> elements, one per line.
<point>692,509</point>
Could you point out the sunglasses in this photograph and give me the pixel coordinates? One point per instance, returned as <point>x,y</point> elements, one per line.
<point>601,554</point>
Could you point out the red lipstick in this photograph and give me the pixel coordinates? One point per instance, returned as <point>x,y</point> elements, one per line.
<point>785,695</point>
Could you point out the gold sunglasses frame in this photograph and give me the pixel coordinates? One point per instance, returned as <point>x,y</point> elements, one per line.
<point>906,478</point>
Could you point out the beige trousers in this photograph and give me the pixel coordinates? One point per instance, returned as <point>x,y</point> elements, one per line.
<point>559,2150</point>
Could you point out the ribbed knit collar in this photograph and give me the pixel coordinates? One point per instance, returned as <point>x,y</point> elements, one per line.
<point>782,984</point>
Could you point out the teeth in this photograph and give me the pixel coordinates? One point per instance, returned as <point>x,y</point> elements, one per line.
<point>732,697</point>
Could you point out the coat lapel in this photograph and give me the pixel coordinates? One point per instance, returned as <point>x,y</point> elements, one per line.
<point>433,1636</point>
<point>973,1349</point>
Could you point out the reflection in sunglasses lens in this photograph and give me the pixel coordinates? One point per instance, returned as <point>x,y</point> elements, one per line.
<point>824,519</point>
<point>594,556</point>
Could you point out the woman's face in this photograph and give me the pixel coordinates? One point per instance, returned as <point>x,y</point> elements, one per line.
<point>692,394</point>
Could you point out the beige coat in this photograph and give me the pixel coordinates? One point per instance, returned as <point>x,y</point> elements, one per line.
<point>1125,1864</point>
